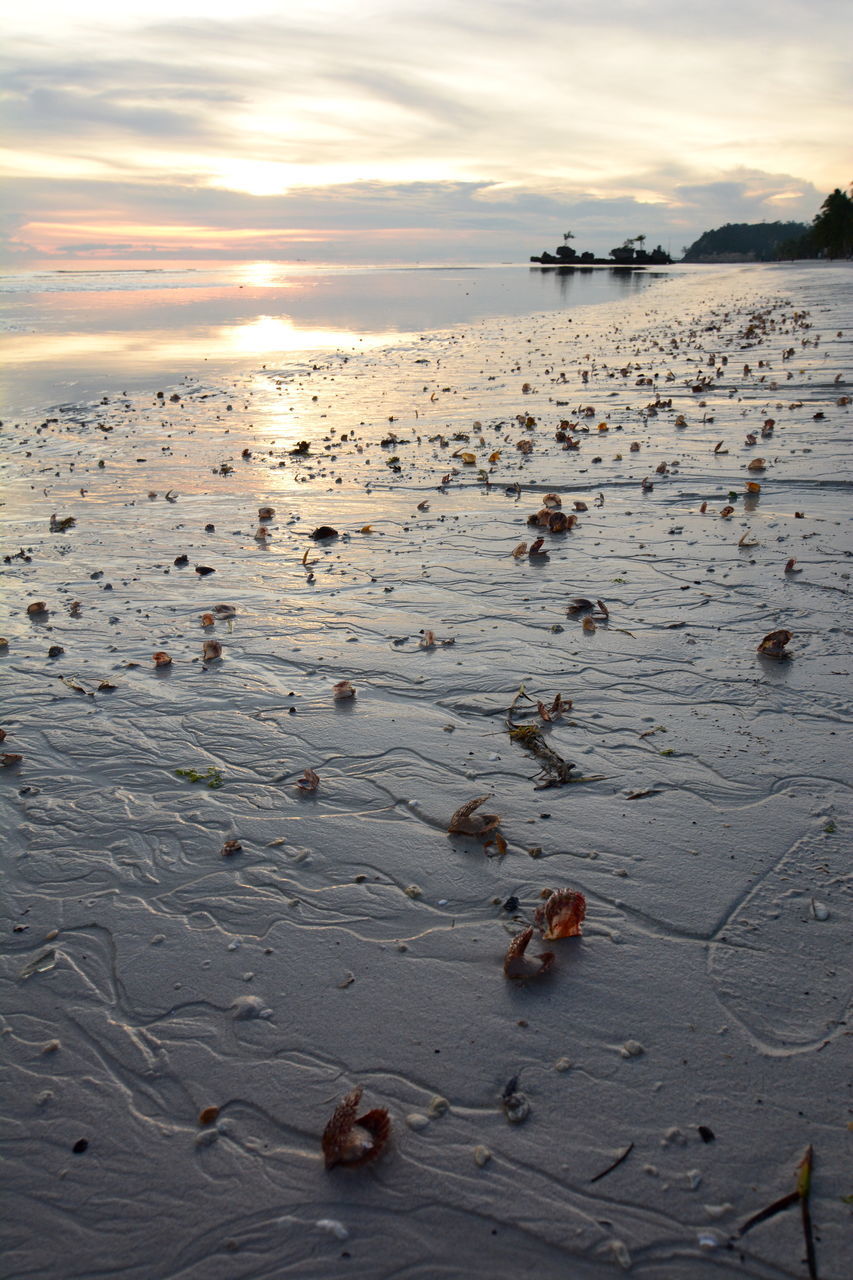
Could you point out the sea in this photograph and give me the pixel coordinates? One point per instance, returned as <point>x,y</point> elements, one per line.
<point>71,336</point>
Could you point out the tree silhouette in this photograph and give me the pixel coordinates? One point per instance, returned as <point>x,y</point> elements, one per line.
<point>567,236</point>
<point>832,230</point>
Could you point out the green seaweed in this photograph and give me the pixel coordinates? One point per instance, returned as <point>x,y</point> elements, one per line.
<point>211,776</point>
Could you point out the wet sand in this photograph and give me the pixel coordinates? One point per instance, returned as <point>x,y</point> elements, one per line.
<point>351,941</point>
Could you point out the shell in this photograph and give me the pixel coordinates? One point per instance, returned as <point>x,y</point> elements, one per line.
<point>517,965</point>
<point>266,513</point>
<point>464,822</point>
<point>351,1141</point>
<point>161,658</point>
<point>773,644</point>
<point>343,689</point>
<point>211,649</point>
<point>562,915</point>
<point>37,606</point>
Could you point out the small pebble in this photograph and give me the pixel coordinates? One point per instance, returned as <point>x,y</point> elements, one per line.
<point>482,1156</point>
<point>563,1064</point>
<point>632,1049</point>
<point>820,910</point>
<point>415,1120</point>
<point>438,1105</point>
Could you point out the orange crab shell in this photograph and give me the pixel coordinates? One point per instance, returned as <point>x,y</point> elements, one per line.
<point>562,915</point>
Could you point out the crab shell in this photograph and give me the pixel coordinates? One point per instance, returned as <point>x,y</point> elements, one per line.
<point>562,915</point>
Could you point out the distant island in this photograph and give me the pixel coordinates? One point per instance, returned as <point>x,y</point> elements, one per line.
<point>830,236</point>
<point>626,255</point>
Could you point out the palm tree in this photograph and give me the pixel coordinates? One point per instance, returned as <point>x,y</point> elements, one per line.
<point>567,236</point>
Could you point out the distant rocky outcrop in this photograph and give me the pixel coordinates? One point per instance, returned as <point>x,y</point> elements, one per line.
<point>626,255</point>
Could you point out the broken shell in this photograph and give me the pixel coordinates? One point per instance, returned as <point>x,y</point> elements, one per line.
<point>562,915</point>
<point>757,464</point>
<point>466,823</point>
<point>588,625</point>
<point>211,649</point>
<point>519,966</point>
<point>231,847</point>
<point>727,511</point>
<point>161,658</point>
<point>579,604</point>
<point>10,758</point>
<point>515,1105</point>
<point>343,689</point>
<point>347,1140</point>
<point>261,533</point>
<point>309,781</point>
<point>225,610</point>
<point>773,644</point>
<point>266,513</point>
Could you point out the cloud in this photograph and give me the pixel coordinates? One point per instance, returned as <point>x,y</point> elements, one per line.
<point>495,119</point>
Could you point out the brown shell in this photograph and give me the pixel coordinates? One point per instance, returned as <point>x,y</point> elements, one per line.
<point>562,915</point>
<point>208,620</point>
<point>552,500</point>
<point>161,658</point>
<point>464,822</point>
<point>266,513</point>
<point>579,604</point>
<point>517,965</point>
<point>561,523</point>
<point>351,1141</point>
<point>773,644</point>
<point>211,649</point>
<point>37,606</point>
<point>343,689</point>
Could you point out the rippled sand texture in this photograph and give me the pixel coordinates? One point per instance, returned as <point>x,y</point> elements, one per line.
<point>351,940</point>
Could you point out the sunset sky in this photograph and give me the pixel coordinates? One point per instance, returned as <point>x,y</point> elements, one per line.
<point>412,130</point>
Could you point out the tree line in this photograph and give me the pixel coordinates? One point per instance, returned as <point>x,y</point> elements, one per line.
<point>829,236</point>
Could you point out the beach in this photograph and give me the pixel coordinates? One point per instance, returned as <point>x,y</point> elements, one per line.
<point>182,1016</point>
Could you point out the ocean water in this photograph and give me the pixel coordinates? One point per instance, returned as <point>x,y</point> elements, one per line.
<point>74,335</point>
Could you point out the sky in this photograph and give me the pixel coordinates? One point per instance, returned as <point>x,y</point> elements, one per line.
<point>411,130</point>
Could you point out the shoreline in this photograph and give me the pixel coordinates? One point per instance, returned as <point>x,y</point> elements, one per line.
<point>352,941</point>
